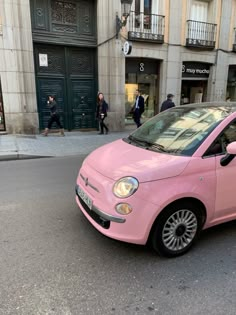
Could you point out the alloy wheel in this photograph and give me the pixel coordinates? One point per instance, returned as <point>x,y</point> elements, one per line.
<point>179,230</point>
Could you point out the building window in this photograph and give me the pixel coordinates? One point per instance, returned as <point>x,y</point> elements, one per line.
<point>145,21</point>
<point>146,6</point>
<point>199,11</point>
<point>200,32</point>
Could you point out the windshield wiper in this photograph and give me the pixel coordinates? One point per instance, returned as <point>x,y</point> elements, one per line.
<point>136,140</point>
<point>156,146</point>
<point>147,144</point>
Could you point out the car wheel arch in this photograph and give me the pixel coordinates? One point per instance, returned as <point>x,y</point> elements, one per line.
<point>192,200</point>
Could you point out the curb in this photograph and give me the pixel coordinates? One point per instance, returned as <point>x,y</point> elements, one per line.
<point>17,156</point>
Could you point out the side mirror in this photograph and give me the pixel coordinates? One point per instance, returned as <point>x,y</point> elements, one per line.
<point>231,153</point>
<point>231,148</point>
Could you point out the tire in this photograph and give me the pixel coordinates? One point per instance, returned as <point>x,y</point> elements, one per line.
<point>176,229</point>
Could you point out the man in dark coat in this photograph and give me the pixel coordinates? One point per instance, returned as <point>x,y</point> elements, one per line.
<point>168,103</point>
<point>138,108</point>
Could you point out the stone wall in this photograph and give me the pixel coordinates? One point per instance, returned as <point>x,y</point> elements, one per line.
<point>17,67</point>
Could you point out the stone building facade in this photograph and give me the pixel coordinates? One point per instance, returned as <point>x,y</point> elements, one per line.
<point>18,93</point>
<point>70,48</point>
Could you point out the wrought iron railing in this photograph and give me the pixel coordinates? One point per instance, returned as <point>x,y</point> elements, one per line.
<point>201,34</point>
<point>146,27</point>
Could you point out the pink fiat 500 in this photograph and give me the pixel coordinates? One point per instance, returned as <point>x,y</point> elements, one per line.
<point>171,178</point>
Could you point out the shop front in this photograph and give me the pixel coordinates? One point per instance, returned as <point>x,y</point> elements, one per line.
<point>2,120</point>
<point>194,82</point>
<point>142,74</point>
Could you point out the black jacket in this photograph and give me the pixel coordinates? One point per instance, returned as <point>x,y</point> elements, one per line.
<point>167,104</point>
<point>104,109</point>
<point>53,107</point>
<point>140,105</point>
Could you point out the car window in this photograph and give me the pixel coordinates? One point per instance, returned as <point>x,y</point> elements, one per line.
<point>218,147</point>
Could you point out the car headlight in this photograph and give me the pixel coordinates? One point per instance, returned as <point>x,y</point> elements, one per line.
<point>125,187</point>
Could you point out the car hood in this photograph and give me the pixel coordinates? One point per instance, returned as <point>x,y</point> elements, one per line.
<point>119,159</point>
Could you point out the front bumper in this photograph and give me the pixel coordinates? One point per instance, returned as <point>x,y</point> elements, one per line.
<point>99,207</point>
<point>100,217</point>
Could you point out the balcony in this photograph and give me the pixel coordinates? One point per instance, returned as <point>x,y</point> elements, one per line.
<point>146,27</point>
<point>201,35</point>
<point>234,44</point>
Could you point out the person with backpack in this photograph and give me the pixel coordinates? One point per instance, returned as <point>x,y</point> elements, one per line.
<point>101,112</point>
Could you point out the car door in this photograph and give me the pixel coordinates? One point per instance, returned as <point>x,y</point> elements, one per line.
<point>225,204</point>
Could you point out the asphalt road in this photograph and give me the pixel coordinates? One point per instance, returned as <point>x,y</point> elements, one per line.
<point>52,261</point>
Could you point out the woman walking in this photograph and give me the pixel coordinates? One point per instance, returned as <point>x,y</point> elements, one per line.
<point>54,116</point>
<point>101,112</point>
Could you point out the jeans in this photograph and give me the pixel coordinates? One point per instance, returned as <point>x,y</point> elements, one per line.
<point>54,118</point>
<point>102,125</point>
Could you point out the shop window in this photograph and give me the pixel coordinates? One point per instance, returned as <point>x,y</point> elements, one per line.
<point>143,75</point>
<point>2,120</point>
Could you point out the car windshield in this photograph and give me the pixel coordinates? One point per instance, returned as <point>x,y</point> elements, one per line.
<point>180,130</point>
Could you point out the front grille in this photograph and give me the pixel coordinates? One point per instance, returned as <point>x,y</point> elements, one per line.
<point>98,219</point>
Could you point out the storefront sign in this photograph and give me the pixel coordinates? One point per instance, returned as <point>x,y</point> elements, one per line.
<point>195,69</point>
<point>141,67</point>
<point>144,66</point>
<point>127,48</point>
<point>43,60</point>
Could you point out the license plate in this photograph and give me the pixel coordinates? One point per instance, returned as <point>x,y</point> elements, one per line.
<point>85,197</point>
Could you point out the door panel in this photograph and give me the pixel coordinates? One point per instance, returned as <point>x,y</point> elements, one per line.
<point>83,105</point>
<point>47,86</point>
<point>225,192</point>
<point>80,62</point>
<point>56,60</point>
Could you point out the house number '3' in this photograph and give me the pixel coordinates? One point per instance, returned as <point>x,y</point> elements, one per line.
<point>141,67</point>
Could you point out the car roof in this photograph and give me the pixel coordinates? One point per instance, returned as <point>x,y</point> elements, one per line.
<point>226,105</point>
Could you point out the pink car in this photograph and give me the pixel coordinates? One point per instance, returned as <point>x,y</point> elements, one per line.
<point>171,178</point>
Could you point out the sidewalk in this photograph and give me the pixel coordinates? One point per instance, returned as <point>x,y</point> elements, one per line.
<point>74,143</point>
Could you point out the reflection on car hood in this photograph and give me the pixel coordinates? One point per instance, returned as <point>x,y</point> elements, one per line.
<point>119,159</point>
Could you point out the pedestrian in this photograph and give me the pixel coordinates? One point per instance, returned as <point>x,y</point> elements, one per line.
<point>168,103</point>
<point>101,112</point>
<point>54,116</point>
<point>138,108</point>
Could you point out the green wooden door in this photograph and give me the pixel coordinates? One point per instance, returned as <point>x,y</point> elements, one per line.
<point>81,87</point>
<point>69,74</point>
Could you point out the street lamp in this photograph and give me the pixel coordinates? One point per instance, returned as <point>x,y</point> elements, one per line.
<point>125,11</point>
